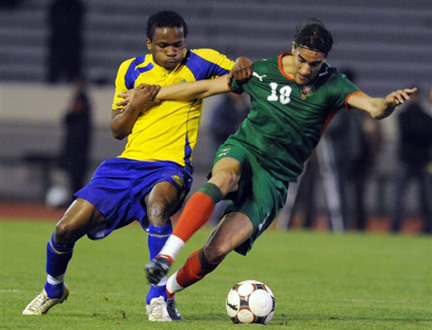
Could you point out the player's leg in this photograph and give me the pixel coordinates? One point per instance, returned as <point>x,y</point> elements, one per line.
<point>79,218</point>
<point>249,213</point>
<point>161,202</point>
<point>234,229</point>
<point>226,174</point>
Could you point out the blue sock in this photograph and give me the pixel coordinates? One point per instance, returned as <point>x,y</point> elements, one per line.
<point>156,240</point>
<point>54,291</point>
<point>58,256</point>
<point>155,292</point>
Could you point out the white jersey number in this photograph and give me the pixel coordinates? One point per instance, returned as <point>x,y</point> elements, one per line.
<point>284,93</point>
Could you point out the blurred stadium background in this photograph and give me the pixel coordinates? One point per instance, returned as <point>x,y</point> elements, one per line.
<point>387,42</point>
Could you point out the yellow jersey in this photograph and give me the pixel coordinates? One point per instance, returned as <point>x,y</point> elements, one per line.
<point>169,131</point>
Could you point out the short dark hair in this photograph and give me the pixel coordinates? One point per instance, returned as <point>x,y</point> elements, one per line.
<point>166,18</point>
<point>314,35</point>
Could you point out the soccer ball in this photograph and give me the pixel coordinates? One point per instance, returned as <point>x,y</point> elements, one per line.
<point>250,302</point>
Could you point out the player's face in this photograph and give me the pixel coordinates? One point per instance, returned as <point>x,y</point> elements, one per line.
<point>167,46</point>
<point>307,64</point>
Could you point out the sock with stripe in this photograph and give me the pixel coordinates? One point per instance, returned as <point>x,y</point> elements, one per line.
<point>197,211</point>
<point>195,268</point>
<point>58,257</point>
<point>158,235</point>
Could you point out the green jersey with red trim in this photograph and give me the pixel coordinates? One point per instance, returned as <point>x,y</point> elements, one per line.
<point>286,119</point>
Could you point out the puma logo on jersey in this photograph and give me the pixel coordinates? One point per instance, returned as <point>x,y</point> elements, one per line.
<point>258,76</point>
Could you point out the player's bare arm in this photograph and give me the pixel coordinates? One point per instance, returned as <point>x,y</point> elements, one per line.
<point>185,91</point>
<point>377,107</point>
<point>194,90</point>
<point>140,99</point>
<point>241,71</point>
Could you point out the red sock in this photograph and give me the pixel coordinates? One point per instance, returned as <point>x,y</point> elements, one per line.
<point>170,295</point>
<point>196,213</point>
<point>195,268</point>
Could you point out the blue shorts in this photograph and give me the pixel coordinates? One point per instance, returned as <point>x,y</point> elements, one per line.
<point>119,186</point>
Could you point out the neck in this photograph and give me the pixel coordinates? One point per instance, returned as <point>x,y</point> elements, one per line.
<point>288,65</point>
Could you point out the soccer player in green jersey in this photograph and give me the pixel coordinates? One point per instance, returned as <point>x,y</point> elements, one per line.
<point>293,98</point>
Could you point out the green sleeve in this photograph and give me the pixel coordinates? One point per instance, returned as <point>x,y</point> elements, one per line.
<point>340,89</point>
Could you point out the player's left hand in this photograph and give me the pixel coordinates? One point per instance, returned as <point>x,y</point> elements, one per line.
<point>126,96</point>
<point>400,96</point>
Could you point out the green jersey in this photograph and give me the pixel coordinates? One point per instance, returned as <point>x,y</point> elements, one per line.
<point>286,119</point>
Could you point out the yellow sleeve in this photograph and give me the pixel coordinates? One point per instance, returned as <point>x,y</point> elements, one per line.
<point>120,85</point>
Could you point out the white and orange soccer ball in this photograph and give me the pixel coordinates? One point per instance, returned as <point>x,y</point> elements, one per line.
<point>250,302</point>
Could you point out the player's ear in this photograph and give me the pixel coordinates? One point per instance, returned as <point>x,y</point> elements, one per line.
<point>149,44</point>
<point>293,47</point>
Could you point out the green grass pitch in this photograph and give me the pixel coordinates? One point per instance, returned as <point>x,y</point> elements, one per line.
<point>320,280</point>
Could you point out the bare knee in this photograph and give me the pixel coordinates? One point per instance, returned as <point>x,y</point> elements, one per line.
<point>157,213</point>
<point>161,202</point>
<point>65,233</point>
<point>226,179</point>
<point>76,222</point>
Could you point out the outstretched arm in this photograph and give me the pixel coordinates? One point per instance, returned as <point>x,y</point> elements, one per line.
<point>194,90</point>
<point>378,107</point>
<point>184,91</point>
<point>241,71</point>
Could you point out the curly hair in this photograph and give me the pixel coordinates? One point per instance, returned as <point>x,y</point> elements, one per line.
<point>165,18</point>
<point>314,35</point>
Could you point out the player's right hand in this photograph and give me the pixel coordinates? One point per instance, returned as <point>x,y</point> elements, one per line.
<point>242,69</point>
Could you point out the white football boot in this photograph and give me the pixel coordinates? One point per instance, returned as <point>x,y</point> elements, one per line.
<point>42,303</point>
<point>157,310</point>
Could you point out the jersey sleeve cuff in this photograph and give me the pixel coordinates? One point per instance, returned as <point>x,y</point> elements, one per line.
<point>348,97</point>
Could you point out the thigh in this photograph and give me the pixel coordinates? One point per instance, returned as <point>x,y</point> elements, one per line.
<point>77,221</point>
<point>260,197</point>
<point>120,186</point>
<point>226,174</point>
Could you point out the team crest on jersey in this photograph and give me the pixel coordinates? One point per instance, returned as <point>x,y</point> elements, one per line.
<point>307,89</point>
<point>223,152</point>
<point>178,181</point>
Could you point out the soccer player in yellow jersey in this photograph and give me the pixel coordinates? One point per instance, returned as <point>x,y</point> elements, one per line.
<point>150,179</point>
